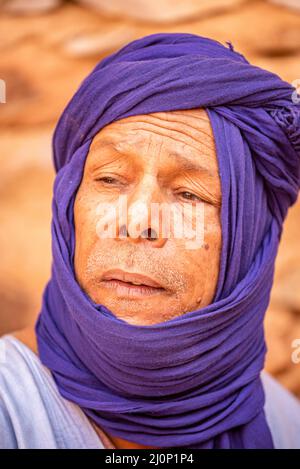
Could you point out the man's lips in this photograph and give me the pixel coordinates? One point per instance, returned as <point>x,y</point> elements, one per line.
<point>130,284</point>
<point>130,277</point>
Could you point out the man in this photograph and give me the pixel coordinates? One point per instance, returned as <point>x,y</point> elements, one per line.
<point>148,336</point>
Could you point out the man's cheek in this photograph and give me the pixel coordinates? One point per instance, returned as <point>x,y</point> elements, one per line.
<point>105,220</point>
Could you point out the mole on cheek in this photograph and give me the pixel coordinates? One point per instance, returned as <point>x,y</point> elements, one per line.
<point>206,246</point>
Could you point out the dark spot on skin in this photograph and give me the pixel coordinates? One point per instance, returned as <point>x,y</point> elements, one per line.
<point>206,246</point>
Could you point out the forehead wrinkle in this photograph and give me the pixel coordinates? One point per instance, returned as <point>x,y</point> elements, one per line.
<point>198,121</point>
<point>169,118</point>
<point>180,140</point>
<point>208,142</point>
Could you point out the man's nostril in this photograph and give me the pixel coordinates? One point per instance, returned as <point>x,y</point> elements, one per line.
<point>123,231</point>
<point>149,233</point>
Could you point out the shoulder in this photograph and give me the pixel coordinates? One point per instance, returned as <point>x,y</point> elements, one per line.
<point>32,412</point>
<point>282,411</point>
<point>21,379</point>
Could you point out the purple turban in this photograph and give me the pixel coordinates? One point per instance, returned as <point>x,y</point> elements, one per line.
<point>193,381</point>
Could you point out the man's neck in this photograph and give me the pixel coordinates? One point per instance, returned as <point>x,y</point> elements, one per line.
<point>27,336</point>
<point>120,443</point>
<point>124,444</point>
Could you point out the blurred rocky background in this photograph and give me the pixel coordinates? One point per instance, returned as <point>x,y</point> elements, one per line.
<point>47,48</point>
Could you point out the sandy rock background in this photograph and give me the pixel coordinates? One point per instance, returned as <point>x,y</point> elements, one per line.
<point>47,48</point>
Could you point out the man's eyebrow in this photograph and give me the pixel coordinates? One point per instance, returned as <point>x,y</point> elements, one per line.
<point>104,143</point>
<point>188,165</point>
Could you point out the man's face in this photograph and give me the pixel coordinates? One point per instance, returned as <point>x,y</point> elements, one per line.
<point>163,158</point>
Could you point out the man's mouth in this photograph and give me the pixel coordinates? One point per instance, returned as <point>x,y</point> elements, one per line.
<point>130,285</point>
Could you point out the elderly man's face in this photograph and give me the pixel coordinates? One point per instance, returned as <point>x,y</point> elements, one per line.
<point>163,158</point>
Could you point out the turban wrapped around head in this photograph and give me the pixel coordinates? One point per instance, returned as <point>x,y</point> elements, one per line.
<point>193,381</point>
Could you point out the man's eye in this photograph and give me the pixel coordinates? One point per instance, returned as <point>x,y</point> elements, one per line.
<point>107,180</point>
<point>189,196</point>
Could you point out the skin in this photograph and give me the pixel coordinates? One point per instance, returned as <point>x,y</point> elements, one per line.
<point>144,169</point>
<point>135,157</point>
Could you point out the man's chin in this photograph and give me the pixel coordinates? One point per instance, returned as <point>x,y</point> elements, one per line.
<point>139,319</point>
<point>142,312</point>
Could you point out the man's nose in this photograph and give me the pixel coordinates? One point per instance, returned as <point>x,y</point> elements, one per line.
<point>144,215</point>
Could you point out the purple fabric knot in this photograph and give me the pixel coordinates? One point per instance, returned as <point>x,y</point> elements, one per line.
<point>289,120</point>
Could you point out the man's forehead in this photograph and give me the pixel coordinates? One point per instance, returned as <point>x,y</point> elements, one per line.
<point>186,129</point>
<point>189,151</point>
<point>196,119</point>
